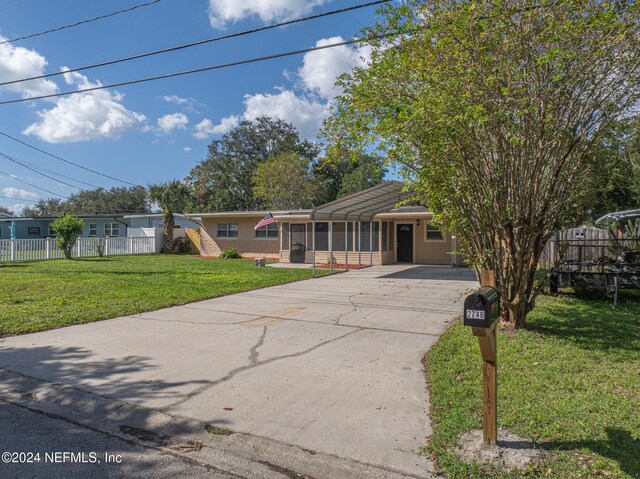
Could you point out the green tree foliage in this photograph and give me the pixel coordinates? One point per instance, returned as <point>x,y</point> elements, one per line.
<point>67,230</point>
<point>614,178</point>
<point>6,211</point>
<point>225,180</point>
<point>115,200</point>
<point>48,207</point>
<point>93,202</point>
<point>342,172</point>
<point>172,197</point>
<point>285,181</point>
<point>493,109</point>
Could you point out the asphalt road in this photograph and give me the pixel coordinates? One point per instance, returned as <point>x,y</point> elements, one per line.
<point>47,439</point>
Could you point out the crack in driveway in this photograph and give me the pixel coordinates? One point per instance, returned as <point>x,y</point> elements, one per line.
<point>252,365</point>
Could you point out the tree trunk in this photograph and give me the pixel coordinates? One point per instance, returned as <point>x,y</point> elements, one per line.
<point>169,224</point>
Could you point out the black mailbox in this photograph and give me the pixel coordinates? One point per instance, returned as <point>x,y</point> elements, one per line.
<point>482,308</point>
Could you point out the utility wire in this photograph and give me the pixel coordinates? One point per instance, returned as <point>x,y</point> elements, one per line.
<point>14,177</point>
<point>197,70</point>
<point>82,22</point>
<point>200,42</point>
<point>10,158</point>
<point>55,173</point>
<point>17,199</point>
<point>67,161</point>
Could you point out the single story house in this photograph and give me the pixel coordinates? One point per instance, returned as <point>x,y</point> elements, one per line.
<point>364,228</point>
<point>94,225</point>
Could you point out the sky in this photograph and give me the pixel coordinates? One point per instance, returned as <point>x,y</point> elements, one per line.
<point>157,131</point>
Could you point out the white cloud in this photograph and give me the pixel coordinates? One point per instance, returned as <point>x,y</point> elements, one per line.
<point>19,194</point>
<point>321,68</point>
<point>17,208</point>
<point>187,149</point>
<point>223,11</point>
<point>84,116</point>
<point>206,128</point>
<point>19,62</point>
<point>173,121</point>
<point>176,99</point>
<point>305,114</point>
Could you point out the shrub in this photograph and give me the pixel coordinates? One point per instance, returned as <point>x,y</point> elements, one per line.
<point>67,230</point>
<point>230,253</point>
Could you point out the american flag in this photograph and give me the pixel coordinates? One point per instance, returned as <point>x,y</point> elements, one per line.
<point>267,220</point>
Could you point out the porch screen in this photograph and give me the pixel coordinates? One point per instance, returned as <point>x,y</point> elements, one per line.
<point>322,236</point>
<point>376,236</point>
<point>338,236</point>
<point>364,236</point>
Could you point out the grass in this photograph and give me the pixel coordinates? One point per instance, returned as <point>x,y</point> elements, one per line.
<point>50,294</point>
<point>572,379</point>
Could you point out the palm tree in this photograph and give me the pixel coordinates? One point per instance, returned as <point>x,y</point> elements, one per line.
<point>172,197</point>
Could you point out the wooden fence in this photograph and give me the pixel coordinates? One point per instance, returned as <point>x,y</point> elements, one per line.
<point>585,246</point>
<point>46,248</point>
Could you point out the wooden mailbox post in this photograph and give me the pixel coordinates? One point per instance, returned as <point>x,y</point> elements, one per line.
<point>481,312</point>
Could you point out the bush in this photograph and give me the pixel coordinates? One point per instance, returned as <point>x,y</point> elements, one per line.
<point>230,253</point>
<point>182,245</point>
<point>67,230</point>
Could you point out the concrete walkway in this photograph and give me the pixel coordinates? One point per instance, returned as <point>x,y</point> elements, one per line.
<point>331,365</point>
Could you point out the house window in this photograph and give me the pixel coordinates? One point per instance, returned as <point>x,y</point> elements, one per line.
<point>33,231</point>
<point>385,236</point>
<point>51,231</point>
<point>93,229</point>
<point>267,231</point>
<point>227,230</point>
<point>111,229</point>
<point>432,232</point>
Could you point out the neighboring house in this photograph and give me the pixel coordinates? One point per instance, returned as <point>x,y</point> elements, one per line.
<point>342,227</point>
<point>94,225</point>
<point>154,220</point>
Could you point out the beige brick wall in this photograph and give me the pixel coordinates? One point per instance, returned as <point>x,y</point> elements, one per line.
<point>246,243</point>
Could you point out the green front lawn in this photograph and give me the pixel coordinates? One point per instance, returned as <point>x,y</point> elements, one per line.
<point>49,294</point>
<point>571,379</point>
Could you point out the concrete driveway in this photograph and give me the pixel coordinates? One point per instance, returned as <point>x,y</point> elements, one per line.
<point>331,365</point>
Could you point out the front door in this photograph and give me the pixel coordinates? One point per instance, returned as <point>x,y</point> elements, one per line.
<point>405,243</point>
<point>298,237</point>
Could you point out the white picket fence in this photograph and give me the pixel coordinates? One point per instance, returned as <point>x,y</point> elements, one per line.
<point>46,248</point>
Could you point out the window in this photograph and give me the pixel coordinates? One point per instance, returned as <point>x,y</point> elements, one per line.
<point>93,229</point>
<point>322,236</point>
<point>385,236</point>
<point>285,236</point>
<point>111,229</point>
<point>267,231</point>
<point>33,231</point>
<point>433,233</point>
<point>51,232</point>
<point>227,230</point>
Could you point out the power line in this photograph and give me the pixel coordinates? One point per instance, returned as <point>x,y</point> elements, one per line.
<point>197,70</point>
<point>67,161</point>
<point>82,22</point>
<point>10,158</point>
<point>200,42</point>
<point>42,168</point>
<point>17,199</point>
<point>13,177</point>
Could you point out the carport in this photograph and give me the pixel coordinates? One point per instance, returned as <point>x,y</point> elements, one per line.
<point>357,208</point>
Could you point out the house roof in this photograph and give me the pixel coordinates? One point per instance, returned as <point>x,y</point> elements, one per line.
<point>46,218</point>
<point>240,214</point>
<point>363,205</point>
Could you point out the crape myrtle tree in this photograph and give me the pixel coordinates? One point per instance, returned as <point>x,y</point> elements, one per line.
<point>493,108</point>
<point>67,230</point>
<point>172,197</point>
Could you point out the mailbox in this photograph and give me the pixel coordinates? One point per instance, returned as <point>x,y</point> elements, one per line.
<point>482,308</point>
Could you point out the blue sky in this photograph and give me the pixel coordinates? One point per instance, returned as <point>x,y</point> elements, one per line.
<point>159,130</point>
